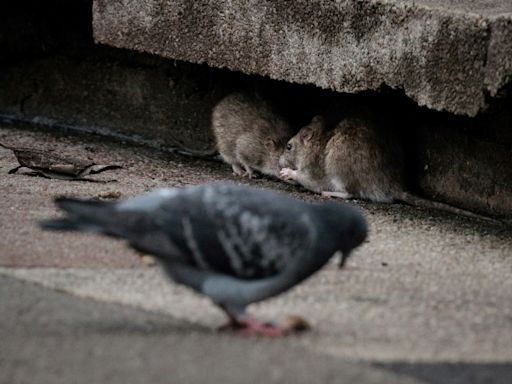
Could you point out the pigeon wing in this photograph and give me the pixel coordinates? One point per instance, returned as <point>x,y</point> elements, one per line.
<point>241,232</point>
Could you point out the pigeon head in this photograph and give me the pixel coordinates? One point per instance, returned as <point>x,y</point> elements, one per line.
<point>347,225</point>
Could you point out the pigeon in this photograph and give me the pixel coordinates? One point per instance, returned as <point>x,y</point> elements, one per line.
<point>235,244</point>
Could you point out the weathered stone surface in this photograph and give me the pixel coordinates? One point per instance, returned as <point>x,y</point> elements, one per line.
<point>147,100</point>
<point>444,54</point>
<point>158,102</point>
<point>477,175</point>
<point>466,161</point>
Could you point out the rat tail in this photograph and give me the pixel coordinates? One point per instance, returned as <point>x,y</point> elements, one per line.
<point>408,198</point>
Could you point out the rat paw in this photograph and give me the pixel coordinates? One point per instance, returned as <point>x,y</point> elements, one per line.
<point>237,170</point>
<point>287,173</point>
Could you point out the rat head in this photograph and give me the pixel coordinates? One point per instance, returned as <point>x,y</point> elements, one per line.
<point>300,145</point>
<point>274,147</point>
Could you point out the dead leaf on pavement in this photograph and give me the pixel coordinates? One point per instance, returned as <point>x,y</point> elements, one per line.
<point>52,166</point>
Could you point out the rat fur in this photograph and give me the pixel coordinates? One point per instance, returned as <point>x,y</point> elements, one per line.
<point>353,160</point>
<point>250,135</point>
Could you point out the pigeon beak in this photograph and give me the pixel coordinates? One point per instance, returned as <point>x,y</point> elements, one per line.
<point>343,258</point>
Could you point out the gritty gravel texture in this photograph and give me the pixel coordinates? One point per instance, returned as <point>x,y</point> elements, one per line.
<point>426,291</point>
<point>28,199</point>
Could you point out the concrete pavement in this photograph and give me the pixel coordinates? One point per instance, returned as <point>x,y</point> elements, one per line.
<point>51,337</point>
<point>426,300</point>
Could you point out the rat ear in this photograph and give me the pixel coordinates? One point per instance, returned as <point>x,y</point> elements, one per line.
<point>269,144</point>
<point>306,134</point>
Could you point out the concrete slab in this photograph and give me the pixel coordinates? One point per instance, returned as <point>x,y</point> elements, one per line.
<point>459,167</point>
<point>58,338</point>
<point>149,100</point>
<point>136,97</point>
<point>428,288</point>
<point>28,199</point>
<point>53,75</point>
<point>368,313</point>
<point>446,55</point>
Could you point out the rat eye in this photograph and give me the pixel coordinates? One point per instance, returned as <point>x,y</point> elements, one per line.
<point>289,147</point>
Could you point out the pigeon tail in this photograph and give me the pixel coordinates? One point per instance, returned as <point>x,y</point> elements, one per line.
<point>81,207</point>
<point>60,224</point>
<point>90,216</point>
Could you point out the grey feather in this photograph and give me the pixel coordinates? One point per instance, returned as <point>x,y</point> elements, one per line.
<point>235,244</point>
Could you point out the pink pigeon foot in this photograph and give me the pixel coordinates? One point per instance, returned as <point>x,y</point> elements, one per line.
<point>249,326</point>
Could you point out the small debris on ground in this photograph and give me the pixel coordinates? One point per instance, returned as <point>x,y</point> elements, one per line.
<point>295,324</point>
<point>109,195</point>
<point>52,166</point>
<point>148,260</point>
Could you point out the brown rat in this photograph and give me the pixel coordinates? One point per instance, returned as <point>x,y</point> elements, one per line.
<point>353,160</point>
<point>250,134</point>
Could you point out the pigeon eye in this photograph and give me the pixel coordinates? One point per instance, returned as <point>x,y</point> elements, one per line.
<point>289,147</point>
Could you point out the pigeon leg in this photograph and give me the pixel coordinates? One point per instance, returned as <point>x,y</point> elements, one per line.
<point>254,327</point>
<point>250,326</point>
<point>231,324</point>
